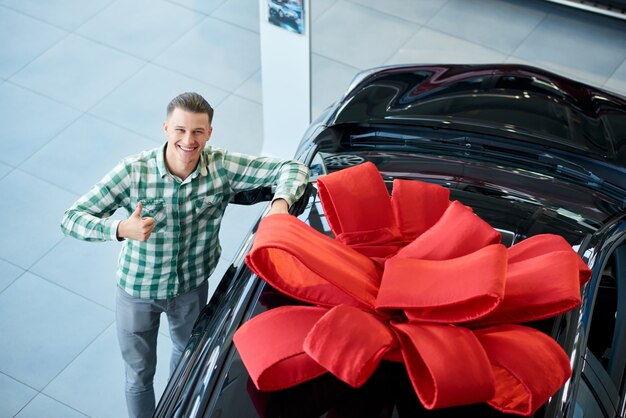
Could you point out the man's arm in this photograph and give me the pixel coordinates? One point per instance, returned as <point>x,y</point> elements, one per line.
<point>289,176</point>
<point>291,182</point>
<point>88,218</point>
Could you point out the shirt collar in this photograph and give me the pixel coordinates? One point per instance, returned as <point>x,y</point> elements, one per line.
<point>160,161</point>
<point>163,171</point>
<point>196,172</point>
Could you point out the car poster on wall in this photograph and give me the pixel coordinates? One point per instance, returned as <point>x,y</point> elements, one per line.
<point>287,14</point>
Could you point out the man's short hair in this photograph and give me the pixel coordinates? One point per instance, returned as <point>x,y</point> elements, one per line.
<point>190,102</point>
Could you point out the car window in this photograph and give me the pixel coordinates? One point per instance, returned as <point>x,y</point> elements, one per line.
<point>606,358</point>
<point>607,336</point>
<point>587,405</point>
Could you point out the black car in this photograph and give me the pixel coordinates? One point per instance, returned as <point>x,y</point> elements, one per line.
<point>614,8</point>
<point>529,151</point>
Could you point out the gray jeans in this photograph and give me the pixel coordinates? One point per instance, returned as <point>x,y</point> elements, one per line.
<point>137,323</point>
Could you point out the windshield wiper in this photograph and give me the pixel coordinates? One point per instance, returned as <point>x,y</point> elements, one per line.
<point>393,138</point>
<point>563,166</point>
<point>576,171</point>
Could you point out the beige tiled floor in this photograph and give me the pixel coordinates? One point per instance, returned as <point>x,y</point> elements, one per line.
<point>83,84</point>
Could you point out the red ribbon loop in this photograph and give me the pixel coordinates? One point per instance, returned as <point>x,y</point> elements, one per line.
<point>417,206</point>
<point>361,187</point>
<point>270,346</point>
<point>457,233</point>
<point>446,364</point>
<point>538,288</point>
<point>311,267</point>
<point>450,291</point>
<point>350,343</point>
<point>523,382</point>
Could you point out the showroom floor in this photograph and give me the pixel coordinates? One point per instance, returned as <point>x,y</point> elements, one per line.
<point>83,84</point>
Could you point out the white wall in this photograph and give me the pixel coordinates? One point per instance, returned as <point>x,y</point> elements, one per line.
<point>286,83</point>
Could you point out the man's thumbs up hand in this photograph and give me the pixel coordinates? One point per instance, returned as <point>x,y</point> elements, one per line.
<point>137,212</point>
<point>136,227</point>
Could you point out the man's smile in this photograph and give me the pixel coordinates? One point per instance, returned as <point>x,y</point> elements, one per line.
<point>187,148</point>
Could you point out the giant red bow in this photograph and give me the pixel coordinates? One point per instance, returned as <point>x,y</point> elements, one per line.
<point>415,278</point>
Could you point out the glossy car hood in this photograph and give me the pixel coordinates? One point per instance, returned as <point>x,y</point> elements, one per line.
<point>512,101</point>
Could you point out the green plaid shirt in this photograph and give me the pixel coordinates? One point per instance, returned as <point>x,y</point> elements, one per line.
<point>184,248</point>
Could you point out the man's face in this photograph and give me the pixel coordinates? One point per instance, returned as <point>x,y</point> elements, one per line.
<point>187,134</point>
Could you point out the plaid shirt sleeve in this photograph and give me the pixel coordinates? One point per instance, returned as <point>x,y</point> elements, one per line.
<point>88,218</point>
<point>246,172</point>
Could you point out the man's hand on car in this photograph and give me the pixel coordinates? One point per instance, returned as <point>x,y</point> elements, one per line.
<point>278,206</point>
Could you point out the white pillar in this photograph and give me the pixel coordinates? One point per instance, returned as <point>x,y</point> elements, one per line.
<point>286,75</point>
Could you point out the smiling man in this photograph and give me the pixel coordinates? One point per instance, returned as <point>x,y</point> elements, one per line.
<point>175,196</point>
